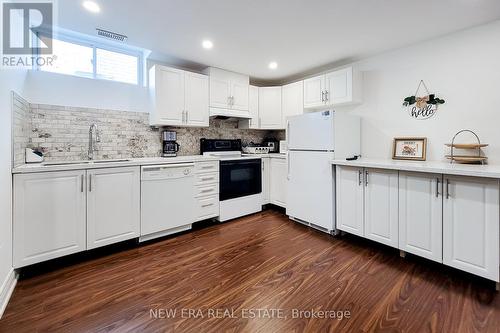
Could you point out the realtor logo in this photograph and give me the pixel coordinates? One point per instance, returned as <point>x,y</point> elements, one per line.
<point>27,28</point>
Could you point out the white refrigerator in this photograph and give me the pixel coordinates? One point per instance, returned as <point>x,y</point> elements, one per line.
<point>314,140</point>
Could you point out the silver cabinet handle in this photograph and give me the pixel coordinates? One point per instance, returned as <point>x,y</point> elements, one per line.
<point>207,205</point>
<point>437,187</point>
<point>366,178</point>
<point>81,185</point>
<point>447,188</point>
<point>322,96</point>
<point>187,116</point>
<point>326,95</point>
<point>90,182</point>
<point>360,177</point>
<point>207,190</point>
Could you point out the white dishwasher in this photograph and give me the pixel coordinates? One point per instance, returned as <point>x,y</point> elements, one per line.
<point>167,199</point>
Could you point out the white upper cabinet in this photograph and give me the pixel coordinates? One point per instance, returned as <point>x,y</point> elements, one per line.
<point>196,103</point>
<point>270,108</point>
<point>228,92</point>
<point>293,100</point>
<point>340,87</point>
<point>179,98</point>
<point>470,225</point>
<point>314,92</point>
<point>113,205</point>
<point>420,214</point>
<point>239,92</point>
<point>253,108</point>
<point>49,216</point>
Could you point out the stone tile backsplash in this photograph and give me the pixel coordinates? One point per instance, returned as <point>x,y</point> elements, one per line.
<point>62,133</point>
<point>21,128</point>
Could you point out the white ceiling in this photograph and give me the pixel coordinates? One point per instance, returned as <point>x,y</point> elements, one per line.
<point>300,35</point>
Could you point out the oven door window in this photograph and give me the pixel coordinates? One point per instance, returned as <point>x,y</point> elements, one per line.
<point>240,178</point>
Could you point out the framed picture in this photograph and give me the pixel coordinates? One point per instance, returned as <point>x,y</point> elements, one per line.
<point>414,149</point>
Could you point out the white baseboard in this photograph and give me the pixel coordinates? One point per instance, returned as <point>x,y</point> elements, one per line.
<point>6,290</point>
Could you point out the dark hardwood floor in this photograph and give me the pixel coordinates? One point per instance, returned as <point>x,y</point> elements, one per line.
<point>263,261</point>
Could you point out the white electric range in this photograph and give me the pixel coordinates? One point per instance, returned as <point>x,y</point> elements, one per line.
<point>240,180</point>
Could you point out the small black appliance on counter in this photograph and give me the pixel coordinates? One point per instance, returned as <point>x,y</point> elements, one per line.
<point>170,146</point>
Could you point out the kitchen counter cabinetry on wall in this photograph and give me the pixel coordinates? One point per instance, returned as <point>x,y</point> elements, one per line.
<point>179,98</point>
<point>340,87</point>
<point>451,219</point>
<point>367,203</point>
<point>274,173</point>
<point>59,213</point>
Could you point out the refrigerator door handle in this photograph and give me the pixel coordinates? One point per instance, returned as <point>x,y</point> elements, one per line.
<point>287,165</point>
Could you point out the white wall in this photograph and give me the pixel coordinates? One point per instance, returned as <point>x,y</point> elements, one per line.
<point>67,90</point>
<point>462,68</point>
<point>9,80</point>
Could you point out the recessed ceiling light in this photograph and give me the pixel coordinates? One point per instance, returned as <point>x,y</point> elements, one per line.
<point>273,65</point>
<point>207,44</point>
<point>91,6</point>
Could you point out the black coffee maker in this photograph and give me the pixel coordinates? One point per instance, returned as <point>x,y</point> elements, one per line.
<point>170,146</point>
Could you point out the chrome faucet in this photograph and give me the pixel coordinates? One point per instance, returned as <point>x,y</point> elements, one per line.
<point>91,140</point>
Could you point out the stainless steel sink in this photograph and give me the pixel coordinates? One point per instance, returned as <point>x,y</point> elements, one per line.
<point>85,162</point>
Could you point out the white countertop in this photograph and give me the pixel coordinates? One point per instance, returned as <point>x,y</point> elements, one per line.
<point>83,165</point>
<point>487,171</point>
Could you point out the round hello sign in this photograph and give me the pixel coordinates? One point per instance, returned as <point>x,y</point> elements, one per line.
<point>424,107</point>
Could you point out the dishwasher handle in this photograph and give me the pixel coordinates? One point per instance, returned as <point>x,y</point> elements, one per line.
<point>166,166</point>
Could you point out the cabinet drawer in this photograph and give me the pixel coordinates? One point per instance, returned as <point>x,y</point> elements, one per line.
<point>205,190</point>
<point>208,207</point>
<point>207,178</point>
<point>205,167</point>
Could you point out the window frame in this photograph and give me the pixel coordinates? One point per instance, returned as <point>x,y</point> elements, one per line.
<point>104,46</point>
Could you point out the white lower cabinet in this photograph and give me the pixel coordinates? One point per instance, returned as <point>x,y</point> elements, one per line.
<point>278,181</point>
<point>420,214</point>
<point>206,190</point>
<point>113,205</point>
<point>471,225</point>
<point>49,216</point>
<point>449,219</point>
<point>350,200</point>
<point>367,203</point>
<point>381,206</point>
<point>266,175</point>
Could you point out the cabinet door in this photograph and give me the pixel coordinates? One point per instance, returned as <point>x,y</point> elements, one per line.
<point>169,92</point>
<point>239,92</point>
<point>293,100</point>
<point>339,87</point>
<point>349,198</point>
<point>470,225</point>
<point>313,92</point>
<point>220,89</point>
<point>270,108</point>
<point>266,172</point>
<point>49,216</point>
<point>196,99</point>
<point>113,205</point>
<point>253,107</point>
<point>278,181</point>
<point>420,214</point>
<point>381,206</point>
